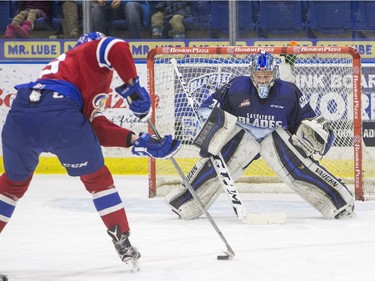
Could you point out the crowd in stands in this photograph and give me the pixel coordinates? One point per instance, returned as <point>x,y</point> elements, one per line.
<point>187,19</point>
<point>134,18</point>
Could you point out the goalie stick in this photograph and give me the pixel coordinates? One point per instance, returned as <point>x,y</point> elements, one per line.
<point>229,253</point>
<point>224,176</point>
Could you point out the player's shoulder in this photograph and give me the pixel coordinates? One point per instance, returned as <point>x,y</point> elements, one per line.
<point>287,90</point>
<point>240,82</point>
<point>108,42</point>
<point>282,84</point>
<point>238,86</point>
<point>102,44</point>
<point>241,79</point>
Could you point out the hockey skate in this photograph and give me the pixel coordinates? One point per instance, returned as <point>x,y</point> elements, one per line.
<point>125,250</point>
<point>3,277</point>
<point>347,212</point>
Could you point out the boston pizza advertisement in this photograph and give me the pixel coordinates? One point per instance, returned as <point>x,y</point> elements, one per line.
<point>21,61</point>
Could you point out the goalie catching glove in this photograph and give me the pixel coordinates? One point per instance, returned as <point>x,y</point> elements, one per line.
<point>137,97</point>
<point>147,145</point>
<point>314,136</point>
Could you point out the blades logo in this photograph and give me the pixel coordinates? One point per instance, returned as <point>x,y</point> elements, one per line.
<point>244,103</point>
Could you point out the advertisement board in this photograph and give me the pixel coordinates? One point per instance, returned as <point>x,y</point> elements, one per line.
<point>22,60</point>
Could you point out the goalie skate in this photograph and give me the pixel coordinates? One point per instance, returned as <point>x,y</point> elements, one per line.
<point>125,250</point>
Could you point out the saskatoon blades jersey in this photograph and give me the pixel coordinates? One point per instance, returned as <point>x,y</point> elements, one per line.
<point>84,74</point>
<point>285,106</point>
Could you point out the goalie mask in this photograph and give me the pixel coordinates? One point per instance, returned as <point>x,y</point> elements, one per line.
<point>92,36</point>
<point>263,73</point>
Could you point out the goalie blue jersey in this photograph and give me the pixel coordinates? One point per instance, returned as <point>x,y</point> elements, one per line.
<point>285,106</point>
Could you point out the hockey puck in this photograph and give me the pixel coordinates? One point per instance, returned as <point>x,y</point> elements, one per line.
<point>223,257</point>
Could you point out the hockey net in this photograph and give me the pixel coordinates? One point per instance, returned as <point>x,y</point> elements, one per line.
<point>329,77</point>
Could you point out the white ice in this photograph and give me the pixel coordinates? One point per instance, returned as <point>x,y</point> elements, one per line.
<point>55,234</point>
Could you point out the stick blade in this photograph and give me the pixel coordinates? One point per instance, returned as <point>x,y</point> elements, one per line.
<point>228,255</point>
<point>269,218</point>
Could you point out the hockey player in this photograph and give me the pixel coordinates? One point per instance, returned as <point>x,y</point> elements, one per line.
<point>61,113</point>
<point>275,122</point>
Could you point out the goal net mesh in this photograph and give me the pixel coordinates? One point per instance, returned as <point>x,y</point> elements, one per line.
<point>327,80</point>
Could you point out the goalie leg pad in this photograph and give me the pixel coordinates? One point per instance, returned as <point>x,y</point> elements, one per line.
<point>215,131</point>
<point>306,177</point>
<point>238,154</point>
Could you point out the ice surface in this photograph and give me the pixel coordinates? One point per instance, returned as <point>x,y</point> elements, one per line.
<point>55,234</point>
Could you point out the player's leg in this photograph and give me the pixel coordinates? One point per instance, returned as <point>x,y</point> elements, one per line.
<point>306,177</point>
<point>239,152</point>
<point>20,160</point>
<point>109,205</point>
<point>82,156</point>
<point>10,192</point>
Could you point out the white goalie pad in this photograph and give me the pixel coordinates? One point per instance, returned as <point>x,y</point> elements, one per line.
<point>306,177</point>
<point>207,193</point>
<point>215,131</point>
<point>241,149</point>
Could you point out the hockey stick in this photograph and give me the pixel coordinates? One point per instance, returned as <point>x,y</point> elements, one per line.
<point>229,252</point>
<point>224,176</point>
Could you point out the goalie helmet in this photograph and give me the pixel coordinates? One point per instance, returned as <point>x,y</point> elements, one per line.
<point>92,36</point>
<point>263,73</point>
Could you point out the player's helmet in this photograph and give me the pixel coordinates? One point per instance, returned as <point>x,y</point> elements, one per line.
<point>92,36</point>
<point>263,73</point>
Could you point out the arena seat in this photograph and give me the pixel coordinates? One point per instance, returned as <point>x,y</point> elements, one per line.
<point>4,15</point>
<point>123,24</point>
<point>280,17</point>
<point>197,22</point>
<point>219,22</point>
<point>200,16</point>
<point>365,17</point>
<point>329,17</point>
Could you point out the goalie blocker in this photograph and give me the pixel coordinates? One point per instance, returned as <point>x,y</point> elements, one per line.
<point>306,177</point>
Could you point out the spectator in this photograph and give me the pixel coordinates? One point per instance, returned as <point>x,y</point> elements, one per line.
<point>137,13</point>
<point>28,12</point>
<point>70,12</point>
<point>174,12</point>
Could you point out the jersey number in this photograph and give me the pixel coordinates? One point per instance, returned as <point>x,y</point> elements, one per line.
<point>53,66</point>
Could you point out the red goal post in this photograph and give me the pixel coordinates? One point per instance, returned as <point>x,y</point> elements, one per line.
<point>326,75</point>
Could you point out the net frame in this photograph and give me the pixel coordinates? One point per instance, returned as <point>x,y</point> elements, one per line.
<point>248,50</point>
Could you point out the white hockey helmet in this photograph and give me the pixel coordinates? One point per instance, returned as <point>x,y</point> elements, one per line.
<point>263,73</point>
